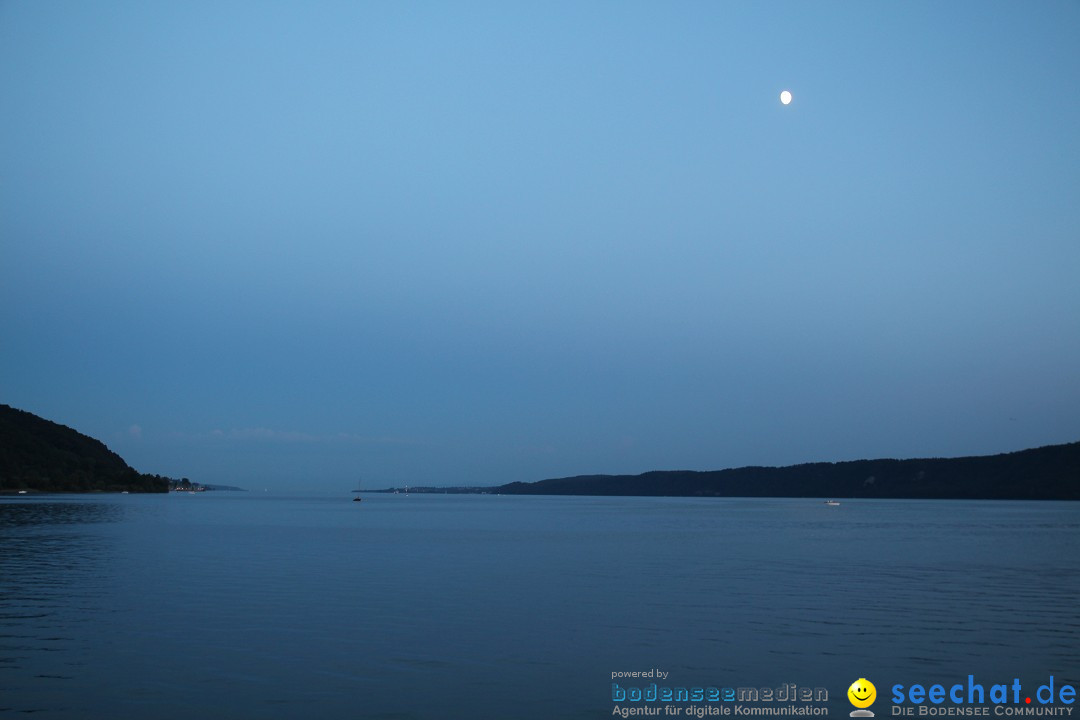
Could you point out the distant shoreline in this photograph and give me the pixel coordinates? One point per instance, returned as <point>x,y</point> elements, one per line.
<point>1051,472</point>
<point>26,492</point>
<point>31,491</point>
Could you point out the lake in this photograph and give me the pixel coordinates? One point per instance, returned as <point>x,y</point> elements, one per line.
<point>245,605</point>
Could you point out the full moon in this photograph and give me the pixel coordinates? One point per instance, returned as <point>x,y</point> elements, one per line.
<point>785,97</point>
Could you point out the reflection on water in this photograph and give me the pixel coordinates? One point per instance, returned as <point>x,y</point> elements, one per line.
<point>58,513</point>
<point>54,577</point>
<point>237,606</point>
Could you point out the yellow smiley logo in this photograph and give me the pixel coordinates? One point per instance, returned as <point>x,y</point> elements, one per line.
<point>862,693</point>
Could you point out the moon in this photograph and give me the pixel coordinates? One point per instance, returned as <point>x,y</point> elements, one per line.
<point>785,97</point>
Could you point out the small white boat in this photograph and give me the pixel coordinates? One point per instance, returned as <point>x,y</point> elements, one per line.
<point>832,502</point>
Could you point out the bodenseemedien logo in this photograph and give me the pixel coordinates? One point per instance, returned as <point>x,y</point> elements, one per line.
<point>699,701</point>
<point>862,694</point>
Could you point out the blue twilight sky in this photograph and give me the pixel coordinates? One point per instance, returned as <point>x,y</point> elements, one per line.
<point>287,244</point>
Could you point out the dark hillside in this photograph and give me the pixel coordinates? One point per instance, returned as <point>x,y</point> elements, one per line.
<point>36,454</point>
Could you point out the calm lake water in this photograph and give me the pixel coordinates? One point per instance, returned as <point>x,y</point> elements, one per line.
<point>238,605</point>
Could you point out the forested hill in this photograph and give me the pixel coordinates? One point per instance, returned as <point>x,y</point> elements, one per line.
<point>1046,473</point>
<point>36,454</point>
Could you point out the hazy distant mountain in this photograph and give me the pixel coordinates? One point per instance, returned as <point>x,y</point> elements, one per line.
<point>1046,473</point>
<point>36,454</point>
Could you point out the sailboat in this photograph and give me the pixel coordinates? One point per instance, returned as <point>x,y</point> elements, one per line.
<point>357,490</point>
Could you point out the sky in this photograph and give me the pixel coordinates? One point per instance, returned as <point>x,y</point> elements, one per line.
<point>298,246</point>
